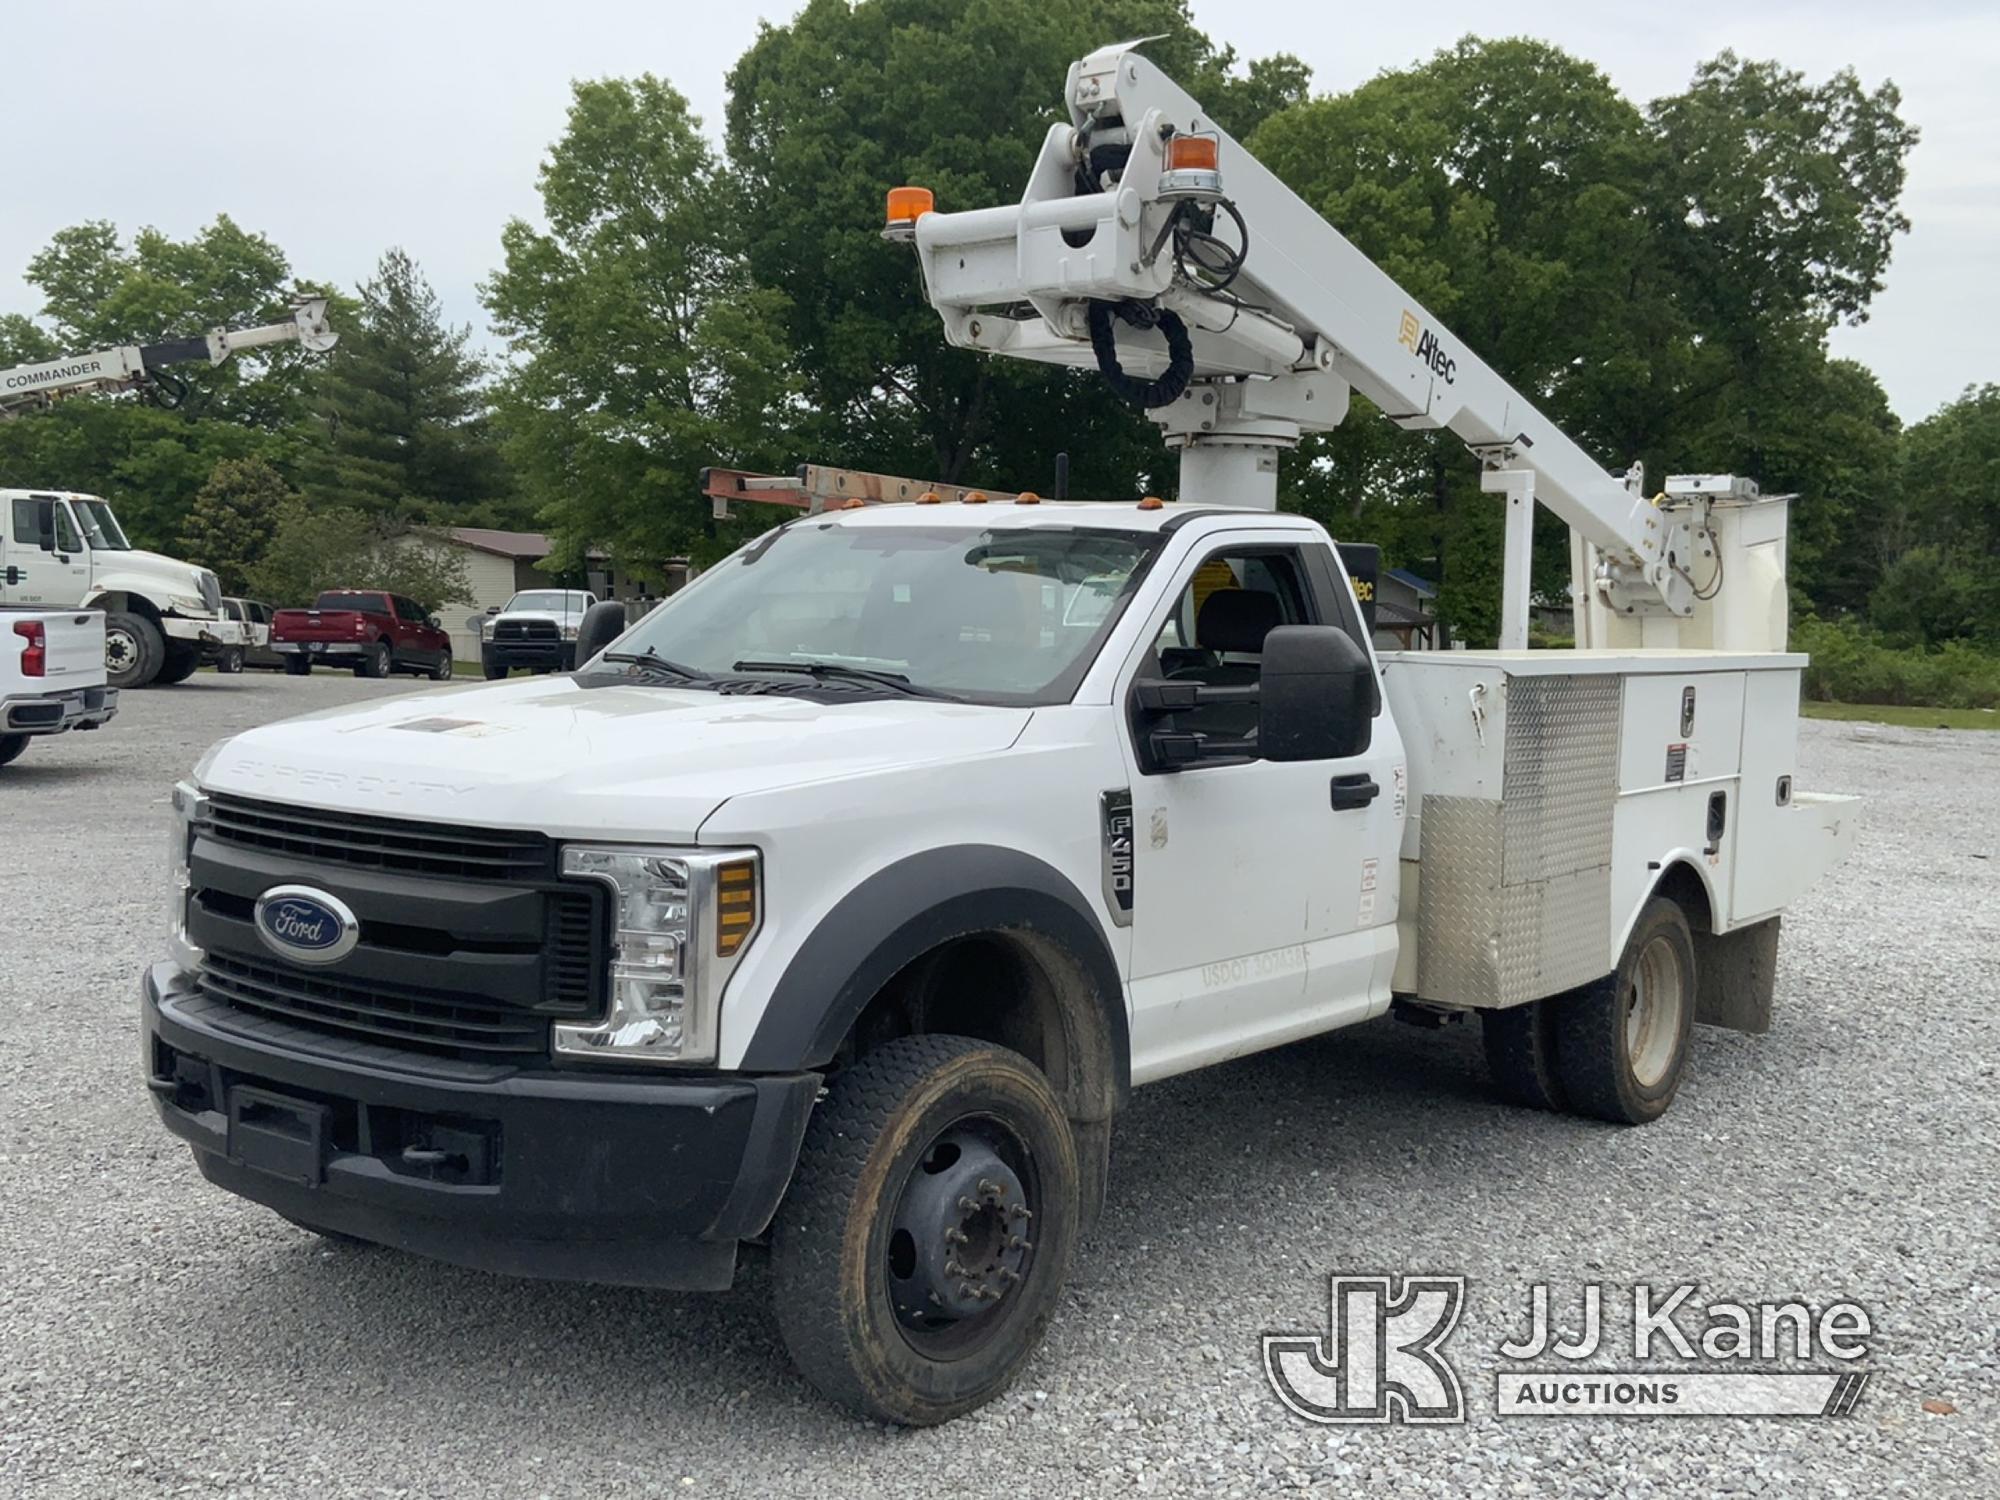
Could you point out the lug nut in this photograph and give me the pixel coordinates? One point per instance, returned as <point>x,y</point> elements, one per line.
<point>955,1237</point>
<point>990,1189</point>
<point>1020,1211</point>
<point>967,1205</point>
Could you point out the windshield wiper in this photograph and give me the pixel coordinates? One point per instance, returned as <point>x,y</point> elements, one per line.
<point>896,682</point>
<point>652,660</point>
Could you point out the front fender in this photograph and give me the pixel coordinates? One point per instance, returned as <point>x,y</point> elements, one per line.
<point>904,911</point>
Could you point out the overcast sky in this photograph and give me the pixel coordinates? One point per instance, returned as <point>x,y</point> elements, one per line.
<point>339,130</point>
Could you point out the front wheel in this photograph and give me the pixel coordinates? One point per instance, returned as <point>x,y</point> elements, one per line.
<point>922,1248</point>
<point>181,660</point>
<point>134,649</point>
<point>231,660</point>
<point>1622,1043</point>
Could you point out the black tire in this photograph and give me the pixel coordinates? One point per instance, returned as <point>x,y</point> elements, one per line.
<point>494,671</point>
<point>442,671</point>
<point>182,659</point>
<point>895,1130</point>
<point>11,746</point>
<point>298,666</point>
<point>379,662</point>
<point>1521,1053</point>
<point>1622,1043</point>
<point>230,662</point>
<point>134,649</point>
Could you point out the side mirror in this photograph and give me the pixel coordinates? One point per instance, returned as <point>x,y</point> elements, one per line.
<point>436,623</point>
<point>1317,695</point>
<point>602,624</point>
<point>493,609</point>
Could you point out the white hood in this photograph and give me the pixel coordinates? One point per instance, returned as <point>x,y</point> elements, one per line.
<point>627,761</point>
<point>151,573</point>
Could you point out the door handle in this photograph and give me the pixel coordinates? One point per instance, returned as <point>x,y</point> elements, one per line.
<point>1350,792</point>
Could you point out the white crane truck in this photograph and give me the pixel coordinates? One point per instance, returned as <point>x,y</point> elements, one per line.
<point>838,904</point>
<point>62,550</point>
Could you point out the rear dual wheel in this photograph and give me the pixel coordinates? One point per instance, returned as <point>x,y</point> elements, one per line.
<point>375,662</point>
<point>923,1244</point>
<point>1616,1049</point>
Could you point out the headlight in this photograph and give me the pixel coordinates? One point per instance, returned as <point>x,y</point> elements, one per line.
<point>681,921</point>
<point>190,807</point>
<point>486,630</point>
<point>187,605</point>
<point>569,632</point>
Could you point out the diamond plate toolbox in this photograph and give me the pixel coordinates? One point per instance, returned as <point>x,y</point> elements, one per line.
<point>1515,897</point>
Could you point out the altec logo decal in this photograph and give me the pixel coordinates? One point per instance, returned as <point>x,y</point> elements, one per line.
<point>1428,347</point>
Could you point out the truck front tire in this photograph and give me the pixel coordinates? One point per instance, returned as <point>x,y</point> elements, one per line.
<point>134,649</point>
<point>298,666</point>
<point>1622,1043</point>
<point>182,657</point>
<point>922,1248</point>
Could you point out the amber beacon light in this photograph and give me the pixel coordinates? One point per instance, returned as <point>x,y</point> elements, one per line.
<point>906,206</point>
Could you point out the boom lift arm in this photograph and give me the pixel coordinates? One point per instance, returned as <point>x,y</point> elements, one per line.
<point>138,366</point>
<point>1142,219</point>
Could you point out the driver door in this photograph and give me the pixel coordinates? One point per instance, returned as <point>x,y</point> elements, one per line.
<point>44,560</point>
<point>1264,894</point>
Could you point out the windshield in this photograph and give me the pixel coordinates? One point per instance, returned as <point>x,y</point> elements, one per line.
<point>367,604</point>
<point>100,526</point>
<point>551,601</point>
<point>1004,616</point>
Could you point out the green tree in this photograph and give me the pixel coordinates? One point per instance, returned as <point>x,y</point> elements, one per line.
<point>642,350</point>
<point>149,463</point>
<point>404,406</point>
<point>318,547</point>
<point>1640,275</point>
<point>1938,582</point>
<point>230,524</point>
<point>23,342</point>
<point>847,100</point>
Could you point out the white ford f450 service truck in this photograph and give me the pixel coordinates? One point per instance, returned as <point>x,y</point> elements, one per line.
<point>839,903</point>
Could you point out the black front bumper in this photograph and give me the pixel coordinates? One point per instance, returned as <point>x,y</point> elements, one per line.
<point>556,656</point>
<point>638,1181</point>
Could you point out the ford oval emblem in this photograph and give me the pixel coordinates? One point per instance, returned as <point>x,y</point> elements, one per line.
<point>305,925</point>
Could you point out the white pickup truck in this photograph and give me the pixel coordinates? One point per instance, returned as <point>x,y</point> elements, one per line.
<point>51,675</point>
<point>839,904</point>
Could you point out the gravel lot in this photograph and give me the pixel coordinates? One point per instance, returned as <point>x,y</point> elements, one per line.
<point>159,1337</point>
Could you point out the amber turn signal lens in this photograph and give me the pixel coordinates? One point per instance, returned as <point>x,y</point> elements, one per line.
<point>736,906</point>
<point>1190,153</point>
<point>909,204</point>
<point>1027,497</point>
<point>1152,502</point>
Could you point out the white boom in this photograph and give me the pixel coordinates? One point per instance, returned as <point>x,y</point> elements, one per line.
<point>136,365</point>
<point>1275,322</point>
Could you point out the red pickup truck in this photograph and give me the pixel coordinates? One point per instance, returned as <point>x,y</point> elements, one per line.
<point>374,633</point>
